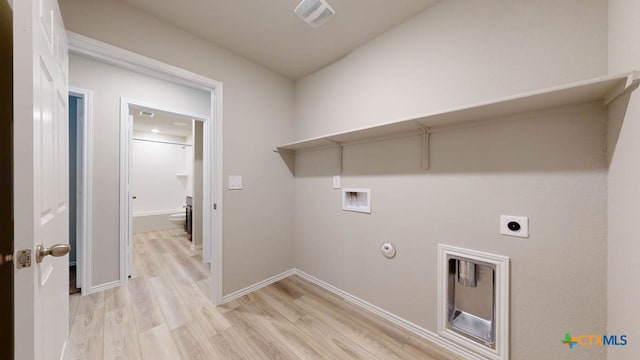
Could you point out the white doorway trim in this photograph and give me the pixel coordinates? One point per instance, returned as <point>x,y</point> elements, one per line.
<point>82,45</point>
<point>84,193</point>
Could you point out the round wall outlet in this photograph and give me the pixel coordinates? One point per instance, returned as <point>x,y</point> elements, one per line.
<point>388,250</point>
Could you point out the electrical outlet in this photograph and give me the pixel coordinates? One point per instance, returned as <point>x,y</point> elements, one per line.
<point>514,226</point>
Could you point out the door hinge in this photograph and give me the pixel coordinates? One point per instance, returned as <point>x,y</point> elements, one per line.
<point>23,258</point>
<point>215,206</point>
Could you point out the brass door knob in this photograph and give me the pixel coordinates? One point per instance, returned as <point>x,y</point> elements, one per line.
<point>56,250</point>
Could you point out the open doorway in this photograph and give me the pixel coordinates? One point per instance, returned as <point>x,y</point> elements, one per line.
<point>6,179</point>
<point>83,47</point>
<point>164,171</point>
<point>166,185</point>
<point>166,179</point>
<point>76,102</point>
<point>79,189</point>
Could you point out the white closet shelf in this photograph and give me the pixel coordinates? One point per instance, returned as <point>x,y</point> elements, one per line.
<point>605,89</point>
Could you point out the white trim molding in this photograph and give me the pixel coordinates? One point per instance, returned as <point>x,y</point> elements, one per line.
<point>85,46</point>
<point>501,301</point>
<point>257,286</point>
<point>98,50</point>
<point>158,212</point>
<point>83,214</point>
<point>398,321</point>
<point>103,287</point>
<point>395,319</point>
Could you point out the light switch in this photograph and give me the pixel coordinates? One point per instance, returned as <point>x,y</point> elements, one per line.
<point>336,181</point>
<point>235,182</point>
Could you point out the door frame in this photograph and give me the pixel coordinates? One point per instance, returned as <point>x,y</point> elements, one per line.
<point>88,47</point>
<point>125,158</point>
<point>84,202</point>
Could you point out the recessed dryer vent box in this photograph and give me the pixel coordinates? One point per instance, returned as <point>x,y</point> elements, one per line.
<point>356,200</point>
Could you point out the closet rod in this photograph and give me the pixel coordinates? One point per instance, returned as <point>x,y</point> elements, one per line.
<point>162,142</point>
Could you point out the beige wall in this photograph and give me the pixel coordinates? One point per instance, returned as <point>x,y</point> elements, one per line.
<point>109,84</point>
<point>146,223</point>
<point>258,113</point>
<point>623,292</point>
<point>549,166</point>
<point>456,53</point>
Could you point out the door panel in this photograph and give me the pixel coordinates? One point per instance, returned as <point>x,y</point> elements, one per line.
<point>41,177</point>
<point>43,144</point>
<point>46,19</point>
<point>62,150</point>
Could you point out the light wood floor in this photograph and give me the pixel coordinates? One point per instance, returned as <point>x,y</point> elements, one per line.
<point>163,313</point>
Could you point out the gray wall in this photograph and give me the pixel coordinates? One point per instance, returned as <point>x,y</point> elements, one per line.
<point>258,113</point>
<point>548,165</point>
<point>456,53</point>
<point>623,292</point>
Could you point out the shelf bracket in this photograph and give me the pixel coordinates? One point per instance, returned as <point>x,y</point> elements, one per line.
<point>631,82</point>
<point>425,149</point>
<point>340,150</point>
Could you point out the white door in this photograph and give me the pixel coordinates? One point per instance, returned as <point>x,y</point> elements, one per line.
<point>41,179</point>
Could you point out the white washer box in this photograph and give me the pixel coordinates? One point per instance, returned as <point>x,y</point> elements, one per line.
<point>358,200</point>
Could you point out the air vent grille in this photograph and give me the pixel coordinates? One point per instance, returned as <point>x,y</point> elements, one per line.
<point>324,16</point>
<point>307,7</point>
<point>314,12</point>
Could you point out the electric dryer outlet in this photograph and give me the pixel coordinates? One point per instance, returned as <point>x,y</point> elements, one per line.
<point>514,226</point>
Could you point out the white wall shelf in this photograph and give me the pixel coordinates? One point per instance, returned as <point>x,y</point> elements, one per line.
<point>605,89</point>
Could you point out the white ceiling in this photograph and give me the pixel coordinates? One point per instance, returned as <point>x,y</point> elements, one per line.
<point>164,122</point>
<point>269,33</point>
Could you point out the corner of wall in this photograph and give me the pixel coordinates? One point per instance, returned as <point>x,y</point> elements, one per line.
<point>623,190</point>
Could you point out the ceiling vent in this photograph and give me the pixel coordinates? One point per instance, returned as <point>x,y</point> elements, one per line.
<point>148,114</point>
<point>314,12</point>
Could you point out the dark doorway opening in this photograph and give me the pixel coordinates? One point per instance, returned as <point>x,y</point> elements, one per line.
<point>6,181</point>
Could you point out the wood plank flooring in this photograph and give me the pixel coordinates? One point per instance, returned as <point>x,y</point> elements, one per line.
<point>163,313</point>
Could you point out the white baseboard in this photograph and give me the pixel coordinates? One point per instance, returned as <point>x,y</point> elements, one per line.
<point>405,324</point>
<point>103,287</point>
<point>257,286</point>
<point>63,353</point>
<point>158,212</point>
